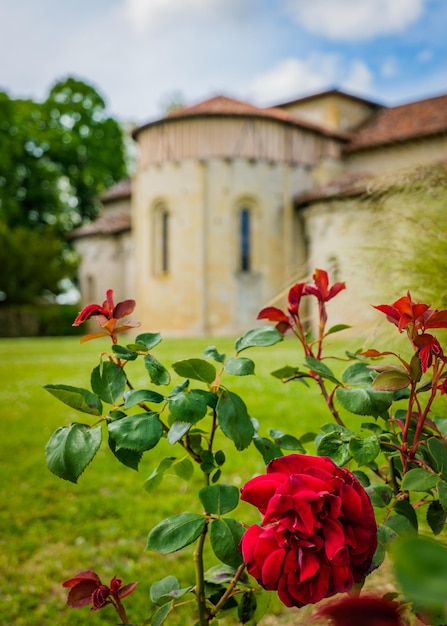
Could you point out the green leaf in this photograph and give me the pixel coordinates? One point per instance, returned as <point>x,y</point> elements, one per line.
<point>441,423</point>
<point>158,374</point>
<point>362,478</point>
<point>77,398</point>
<point>419,479</point>
<point>442,492</point>
<point>160,615</point>
<point>380,495</point>
<point>391,380</point>
<point>219,457</point>
<point>286,442</point>
<point>212,352</point>
<point>268,448</point>
<point>184,468</point>
<point>207,464</point>
<point>438,450</point>
<point>403,507</point>
<point>415,368</point>
<point>197,369</point>
<point>332,446</point>
<point>188,406</point>
<point>240,366</point>
<point>219,574</point>
<point>436,517</point>
<point>321,369</point>
<point>337,328</point>
<point>384,536</point>
<point>138,432</point>
<point>364,401</point>
<point>400,524</point>
<point>155,479</point>
<point>247,607</point>
<point>129,458</point>
<point>358,374</point>
<point>364,450</point>
<point>175,533</point>
<point>149,340</point>
<point>71,448</point>
<point>124,353</point>
<point>219,499</point>
<point>164,587</point>
<point>177,430</point>
<point>234,419</point>
<point>259,337</point>
<point>288,372</point>
<point>420,566</point>
<point>108,381</point>
<point>225,537</point>
<point>131,398</point>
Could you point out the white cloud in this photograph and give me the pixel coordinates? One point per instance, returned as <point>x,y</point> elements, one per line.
<point>151,15</point>
<point>352,20</point>
<point>358,78</point>
<point>295,77</point>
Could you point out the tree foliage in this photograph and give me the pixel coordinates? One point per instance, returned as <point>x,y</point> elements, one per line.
<point>33,263</point>
<point>56,158</point>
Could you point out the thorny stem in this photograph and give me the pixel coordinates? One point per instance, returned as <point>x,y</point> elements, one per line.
<point>200,581</point>
<point>229,590</point>
<point>421,421</point>
<point>329,399</point>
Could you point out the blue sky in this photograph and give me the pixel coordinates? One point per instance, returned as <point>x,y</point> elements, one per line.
<point>140,53</point>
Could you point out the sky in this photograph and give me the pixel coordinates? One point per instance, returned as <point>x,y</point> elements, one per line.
<point>141,55</point>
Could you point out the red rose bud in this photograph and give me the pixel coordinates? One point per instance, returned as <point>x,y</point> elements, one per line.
<point>318,535</point>
<point>364,610</point>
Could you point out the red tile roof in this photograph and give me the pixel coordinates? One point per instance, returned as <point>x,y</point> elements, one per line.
<point>229,107</point>
<point>122,189</point>
<point>402,123</point>
<point>106,224</point>
<point>350,185</point>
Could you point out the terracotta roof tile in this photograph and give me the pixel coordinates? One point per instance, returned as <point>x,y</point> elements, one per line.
<point>402,123</point>
<point>222,105</point>
<point>122,189</point>
<point>106,224</point>
<point>350,185</point>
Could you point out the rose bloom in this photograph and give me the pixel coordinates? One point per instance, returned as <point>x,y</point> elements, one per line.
<point>318,534</point>
<point>365,610</point>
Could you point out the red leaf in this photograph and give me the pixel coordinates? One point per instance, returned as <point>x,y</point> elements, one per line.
<point>273,314</point>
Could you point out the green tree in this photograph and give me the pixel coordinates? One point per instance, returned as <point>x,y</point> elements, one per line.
<point>29,192</point>
<point>33,263</point>
<point>56,158</point>
<point>87,145</point>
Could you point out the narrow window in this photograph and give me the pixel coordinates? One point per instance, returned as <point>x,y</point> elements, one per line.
<point>160,254</point>
<point>245,240</point>
<point>164,241</point>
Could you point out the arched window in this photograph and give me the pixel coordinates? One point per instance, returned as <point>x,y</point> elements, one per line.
<point>245,240</point>
<point>161,240</point>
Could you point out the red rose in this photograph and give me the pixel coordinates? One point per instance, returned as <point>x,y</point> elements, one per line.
<point>318,534</point>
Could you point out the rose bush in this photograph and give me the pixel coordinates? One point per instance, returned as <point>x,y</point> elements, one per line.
<point>318,533</point>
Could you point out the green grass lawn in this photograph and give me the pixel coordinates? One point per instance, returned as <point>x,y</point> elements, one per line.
<point>51,529</point>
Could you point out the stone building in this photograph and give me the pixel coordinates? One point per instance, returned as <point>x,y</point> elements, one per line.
<point>230,204</point>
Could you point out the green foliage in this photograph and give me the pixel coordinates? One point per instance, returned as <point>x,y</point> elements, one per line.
<point>33,262</point>
<point>56,157</point>
<point>71,449</point>
<point>399,447</point>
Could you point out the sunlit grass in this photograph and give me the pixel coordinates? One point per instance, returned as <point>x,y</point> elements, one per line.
<point>51,529</point>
